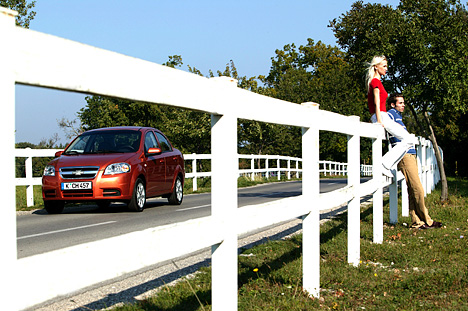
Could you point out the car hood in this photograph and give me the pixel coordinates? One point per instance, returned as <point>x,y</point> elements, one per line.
<point>102,159</point>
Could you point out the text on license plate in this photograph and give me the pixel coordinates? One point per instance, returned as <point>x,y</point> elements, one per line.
<point>76,185</point>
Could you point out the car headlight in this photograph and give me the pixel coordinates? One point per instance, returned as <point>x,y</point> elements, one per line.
<point>49,170</point>
<point>117,168</point>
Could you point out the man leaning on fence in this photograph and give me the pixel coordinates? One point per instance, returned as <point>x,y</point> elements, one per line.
<point>409,167</point>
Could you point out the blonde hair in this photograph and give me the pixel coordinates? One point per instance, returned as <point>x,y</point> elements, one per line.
<point>371,68</point>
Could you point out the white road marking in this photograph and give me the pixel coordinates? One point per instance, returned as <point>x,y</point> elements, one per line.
<point>269,194</point>
<point>64,230</point>
<point>195,207</point>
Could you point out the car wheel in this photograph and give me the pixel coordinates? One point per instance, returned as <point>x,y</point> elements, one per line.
<point>177,194</point>
<point>54,207</point>
<point>138,201</point>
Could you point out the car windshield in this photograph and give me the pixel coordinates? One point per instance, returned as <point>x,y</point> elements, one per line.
<point>115,141</point>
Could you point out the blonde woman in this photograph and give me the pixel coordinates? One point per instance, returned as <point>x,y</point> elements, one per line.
<point>376,101</point>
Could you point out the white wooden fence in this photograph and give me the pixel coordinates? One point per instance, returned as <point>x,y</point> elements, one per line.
<point>34,58</point>
<point>327,168</point>
<point>426,164</point>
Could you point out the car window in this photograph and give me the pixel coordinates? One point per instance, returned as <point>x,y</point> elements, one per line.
<point>78,145</point>
<point>127,142</point>
<point>150,141</point>
<point>165,145</point>
<point>105,142</point>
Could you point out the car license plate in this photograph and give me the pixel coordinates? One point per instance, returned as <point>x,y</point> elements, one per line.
<point>77,185</point>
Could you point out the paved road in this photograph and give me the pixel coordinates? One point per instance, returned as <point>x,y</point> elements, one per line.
<point>40,232</point>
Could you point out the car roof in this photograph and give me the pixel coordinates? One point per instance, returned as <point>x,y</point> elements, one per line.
<point>128,128</point>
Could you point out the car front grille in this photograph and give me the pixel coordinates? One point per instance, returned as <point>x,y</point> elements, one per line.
<point>79,172</point>
<point>77,193</point>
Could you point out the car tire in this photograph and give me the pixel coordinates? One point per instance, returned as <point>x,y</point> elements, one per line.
<point>138,201</point>
<point>54,207</point>
<point>177,194</point>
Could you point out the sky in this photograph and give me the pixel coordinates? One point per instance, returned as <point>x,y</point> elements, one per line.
<point>206,33</point>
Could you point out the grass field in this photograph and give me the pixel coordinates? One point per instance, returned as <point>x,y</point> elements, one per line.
<point>411,270</point>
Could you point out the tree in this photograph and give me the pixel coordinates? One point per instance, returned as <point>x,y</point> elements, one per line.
<point>72,128</point>
<point>24,9</point>
<point>259,137</point>
<point>316,72</point>
<point>426,45</point>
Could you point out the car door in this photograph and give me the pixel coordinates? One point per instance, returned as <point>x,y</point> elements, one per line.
<point>155,167</point>
<point>170,159</point>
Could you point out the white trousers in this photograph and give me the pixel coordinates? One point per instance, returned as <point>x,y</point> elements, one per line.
<point>395,154</point>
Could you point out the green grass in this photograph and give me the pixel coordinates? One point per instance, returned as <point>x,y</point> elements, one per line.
<point>411,270</point>
<point>21,204</point>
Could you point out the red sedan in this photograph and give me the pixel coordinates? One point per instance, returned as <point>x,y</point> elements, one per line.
<point>117,164</point>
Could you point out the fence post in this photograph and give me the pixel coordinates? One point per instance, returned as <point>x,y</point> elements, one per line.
<point>223,208</point>
<point>224,174</point>
<point>430,175</point>
<point>267,172</point>
<point>194,171</point>
<point>297,169</point>
<point>252,167</point>
<point>404,199</point>
<point>354,206</point>
<point>29,177</point>
<point>377,196</point>
<point>289,169</point>
<point>432,163</point>
<point>310,195</point>
<point>7,128</point>
<point>278,165</point>
<point>393,196</point>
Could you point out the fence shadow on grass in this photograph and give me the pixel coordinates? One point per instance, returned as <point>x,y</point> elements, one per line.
<point>191,302</point>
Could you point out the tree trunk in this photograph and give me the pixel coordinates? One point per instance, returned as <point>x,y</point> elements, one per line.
<point>440,162</point>
<point>420,124</point>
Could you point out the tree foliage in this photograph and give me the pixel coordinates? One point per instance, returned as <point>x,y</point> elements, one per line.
<point>319,73</point>
<point>426,45</point>
<point>259,137</point>
<point>24,9</point>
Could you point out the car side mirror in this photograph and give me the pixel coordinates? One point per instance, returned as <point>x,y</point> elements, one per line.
<point>58,153</point>
<point>152,151</point>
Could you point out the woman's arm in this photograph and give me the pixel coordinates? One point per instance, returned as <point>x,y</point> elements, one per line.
<point>376,92</point>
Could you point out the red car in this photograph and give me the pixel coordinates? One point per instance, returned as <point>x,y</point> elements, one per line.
<point>117,164</point>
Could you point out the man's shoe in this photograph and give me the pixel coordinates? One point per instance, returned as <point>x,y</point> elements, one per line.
<point>435,224</point>
<point>424,226</point>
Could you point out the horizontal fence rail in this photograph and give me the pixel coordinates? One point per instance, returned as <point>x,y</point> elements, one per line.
<point>44,60</point>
